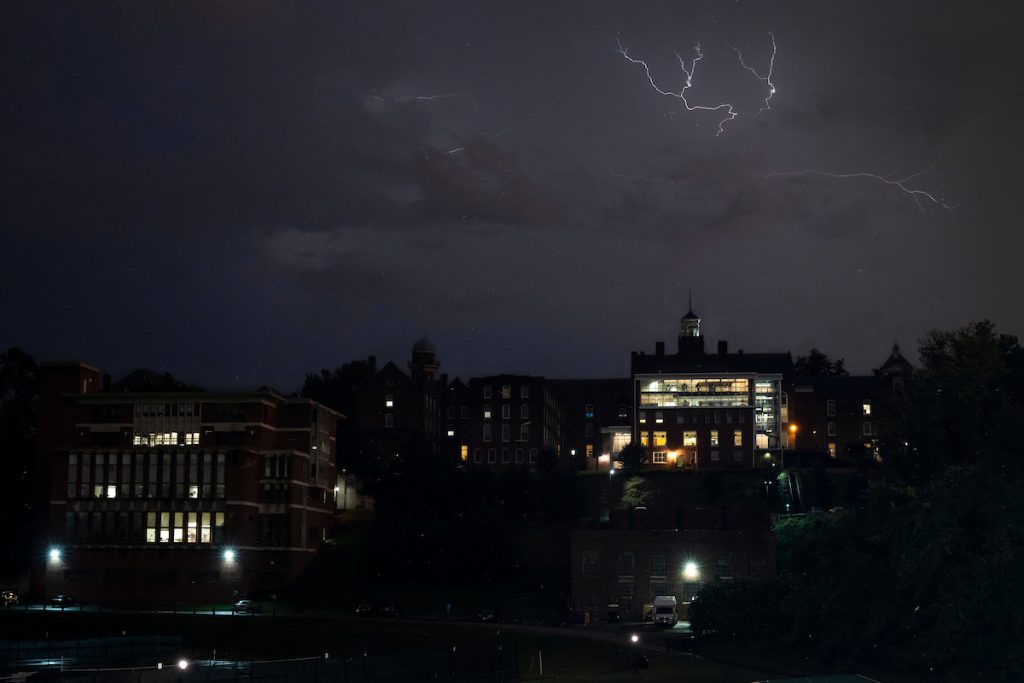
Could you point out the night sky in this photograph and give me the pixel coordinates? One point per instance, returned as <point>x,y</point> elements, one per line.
<point>243,192</point>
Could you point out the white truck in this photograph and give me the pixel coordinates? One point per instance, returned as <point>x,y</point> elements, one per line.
<point>665,610</point>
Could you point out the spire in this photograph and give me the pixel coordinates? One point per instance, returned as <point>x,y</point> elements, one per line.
<point>689,300</point>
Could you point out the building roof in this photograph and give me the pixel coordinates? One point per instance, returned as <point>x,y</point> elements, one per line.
<point>688,363</point>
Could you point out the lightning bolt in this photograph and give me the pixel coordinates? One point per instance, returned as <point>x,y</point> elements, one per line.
<point>900,184</point>
<point>688,72</point>
<point>767,78</point>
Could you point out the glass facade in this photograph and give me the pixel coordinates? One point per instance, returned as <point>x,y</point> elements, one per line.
<point>711,392</point>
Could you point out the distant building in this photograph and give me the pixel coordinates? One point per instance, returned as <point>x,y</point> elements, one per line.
<point>597,415</point>
<point>699,410</point>
<point>618,570</point>
<point>512,420</point>
<point>161,492</point>
<point>845,416</point>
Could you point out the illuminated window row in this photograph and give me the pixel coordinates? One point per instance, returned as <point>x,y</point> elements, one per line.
<point>184,527</point>
<point>166,439</point>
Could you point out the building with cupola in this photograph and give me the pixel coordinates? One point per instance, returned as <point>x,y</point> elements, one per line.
<point>706,411</point>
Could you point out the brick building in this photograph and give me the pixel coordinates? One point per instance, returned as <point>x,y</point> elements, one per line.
<point>173,494</point>
<point>592,409</point>
<point>616,571</point>
<point>845,416</point>
<point>512,419</point>
<point>700,410</point>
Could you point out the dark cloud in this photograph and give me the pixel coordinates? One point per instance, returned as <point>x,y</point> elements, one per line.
<point>496,175</point>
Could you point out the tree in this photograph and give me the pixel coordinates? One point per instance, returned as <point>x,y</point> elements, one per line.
<point>817,364</point>
<point>637,492</point>
<point>966,404</point>
<point>631,457</point>
<point>18,438</point>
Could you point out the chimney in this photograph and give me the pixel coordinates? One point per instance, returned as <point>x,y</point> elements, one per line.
<point>723,347</point>
<point>659,348</point>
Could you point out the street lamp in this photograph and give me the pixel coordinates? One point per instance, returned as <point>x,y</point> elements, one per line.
<point>690,571</point>
<point>229,556</point>
<point>54,555</point>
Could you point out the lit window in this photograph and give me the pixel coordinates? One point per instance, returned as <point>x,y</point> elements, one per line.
<point>644,439</point>
<point>464,453</point>
<point>714,437</point>
<point>590,451</point>
<point>643,416</point>
<point>832,449</point>
<point>506,391</point>
<point>137,440</point>
<point>737,438</point>
<point>487,411</point>
<point>660,438</point>
<point>690,439</point>
<point>451,432</point>
<point>660,457</point>
<point>588,411</point>
<point>867,407</point>
<point>193,491</point>
<point>389,401</point>
<point>111,492</point>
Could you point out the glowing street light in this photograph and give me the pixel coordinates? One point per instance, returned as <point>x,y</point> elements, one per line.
<point>54,555</point>
<point>634,638</point>
<point>182,664</point>
<point>229,556</point>
<point>690,571</point>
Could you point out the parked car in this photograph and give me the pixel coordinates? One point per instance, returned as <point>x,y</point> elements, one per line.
<point>9,598</point>
<point>486,616</point>
<point>62,601</point>
<point>366,609</point>
<point>247,607</point>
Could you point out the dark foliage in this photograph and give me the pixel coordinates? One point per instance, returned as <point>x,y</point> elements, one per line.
<point>924,575</point>
<point>817,364</point>
<point>18,438</point>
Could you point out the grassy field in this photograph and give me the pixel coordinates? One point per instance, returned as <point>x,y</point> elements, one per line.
<point>565,655</point>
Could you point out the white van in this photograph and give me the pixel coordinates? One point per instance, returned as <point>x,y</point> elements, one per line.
<point>665,610</point>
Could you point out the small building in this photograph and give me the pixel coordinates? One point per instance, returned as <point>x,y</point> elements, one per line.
<point>645,553</point>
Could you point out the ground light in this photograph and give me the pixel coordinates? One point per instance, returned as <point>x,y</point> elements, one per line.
<point>182,664</point>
